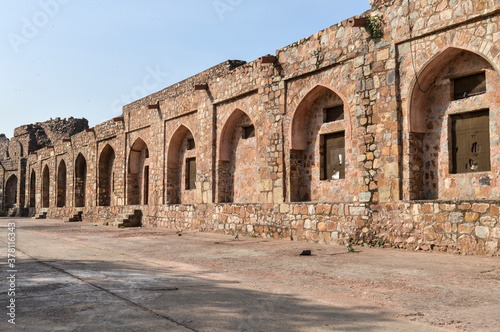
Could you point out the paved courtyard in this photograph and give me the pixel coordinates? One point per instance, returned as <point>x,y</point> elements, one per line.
<point>81,277</point>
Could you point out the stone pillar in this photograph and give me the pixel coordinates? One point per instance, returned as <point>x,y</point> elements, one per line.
<point>270,139</point>
<point>379,125</point>
<point>205,140</point>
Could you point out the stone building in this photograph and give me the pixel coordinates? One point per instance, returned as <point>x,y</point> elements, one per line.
<point>383,128</point>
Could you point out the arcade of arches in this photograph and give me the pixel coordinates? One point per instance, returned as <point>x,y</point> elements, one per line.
<point>338,137</point>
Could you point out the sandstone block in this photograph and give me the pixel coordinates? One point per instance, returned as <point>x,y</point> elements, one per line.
<point>429,233</point>
<point>465,228</point>
<point>481,208</point>
<point>482,232</point>
<point>357,211</point>
<point>496,233</point>
<point>464,206</point>
<point>471,216</point>
<point>456,217</point>
<point>284,208</point>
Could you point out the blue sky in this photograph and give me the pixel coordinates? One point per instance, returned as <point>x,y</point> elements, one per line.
<point>87,58</point>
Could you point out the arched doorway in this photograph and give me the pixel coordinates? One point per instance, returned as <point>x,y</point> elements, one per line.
<point>138,174</point>
<point>46,187</point>
<point>106,176</point>
<point>33,189</point>
<point>181,167</point>
<point>61,184</point>
<point>80,180</point>
<point>11,192</point>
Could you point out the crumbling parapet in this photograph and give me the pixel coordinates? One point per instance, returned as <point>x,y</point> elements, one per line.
<point>33,137</point>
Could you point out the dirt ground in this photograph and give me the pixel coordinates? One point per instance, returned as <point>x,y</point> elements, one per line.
<point>261,284</point>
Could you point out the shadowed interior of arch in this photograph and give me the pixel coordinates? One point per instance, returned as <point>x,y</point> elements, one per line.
<point>80,180</point>
<point>181,167</point>
<point>61,184</point>
<point>46,187</point>
<point>106,176</point>
<point>138,174</point>
<point>11,192</point>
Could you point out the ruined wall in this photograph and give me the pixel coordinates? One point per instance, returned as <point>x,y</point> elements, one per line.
<point>4,145</point>
<point>41,134</point>
<point>396,94</point>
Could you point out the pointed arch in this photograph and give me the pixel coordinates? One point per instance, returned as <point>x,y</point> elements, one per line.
<point>300,117</point>
<point>106,176</point>
<point>138,174</point>
<point>11,192</point>
<point>33,189</point>
<point>46,187</point>
<point>426,77</point>
<point>61,184</point>
<point>80,180</point>
<point>181,163</point>
<point>320,133</point>
<point>434,109</point>
<point>237,164</point>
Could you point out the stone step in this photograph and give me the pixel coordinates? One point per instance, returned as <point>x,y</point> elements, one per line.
<point>41,215</point>
<point>131,219</point>
<point>77,217</point>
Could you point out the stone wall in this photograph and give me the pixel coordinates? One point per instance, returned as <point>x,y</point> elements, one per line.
<point>396,94</point>
<point>467,227</point>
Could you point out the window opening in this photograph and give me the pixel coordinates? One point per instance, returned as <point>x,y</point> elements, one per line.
<point>333,156</point>
<point>468,86</point>
<point>248,132</point>
<point>334,114</point>
<point>190,173</point>
<point>190,144</point>
<point>470,142</point>
<point>146,185</point>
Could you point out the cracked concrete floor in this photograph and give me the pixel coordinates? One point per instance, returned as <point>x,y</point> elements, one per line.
<point>80,277</point>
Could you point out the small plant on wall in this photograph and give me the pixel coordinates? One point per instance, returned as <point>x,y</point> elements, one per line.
<point>374,26</point>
